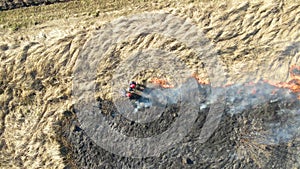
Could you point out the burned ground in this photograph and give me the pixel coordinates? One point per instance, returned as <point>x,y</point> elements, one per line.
<point>253,137</point>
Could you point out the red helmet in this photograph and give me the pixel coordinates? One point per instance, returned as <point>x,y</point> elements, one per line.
<point>132,86</point>
<point>128,94</point>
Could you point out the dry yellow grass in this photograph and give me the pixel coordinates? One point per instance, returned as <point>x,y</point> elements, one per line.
<point>25,17</point>
<point>37,60</point>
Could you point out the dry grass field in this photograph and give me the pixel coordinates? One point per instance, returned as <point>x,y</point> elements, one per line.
<point>39,47</point>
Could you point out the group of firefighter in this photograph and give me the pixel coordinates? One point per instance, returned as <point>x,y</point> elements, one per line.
<point>132,93</point>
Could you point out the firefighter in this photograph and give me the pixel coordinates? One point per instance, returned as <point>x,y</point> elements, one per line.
<point>132,95</point>
<point>133,84</point>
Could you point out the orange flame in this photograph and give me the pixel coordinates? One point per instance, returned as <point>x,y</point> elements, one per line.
<point>200,81</point>
<point>165,84</point>
<point>161,82</point>
<point>294,84</point>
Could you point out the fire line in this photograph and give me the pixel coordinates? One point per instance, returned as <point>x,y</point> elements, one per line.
<point>293,85</point>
